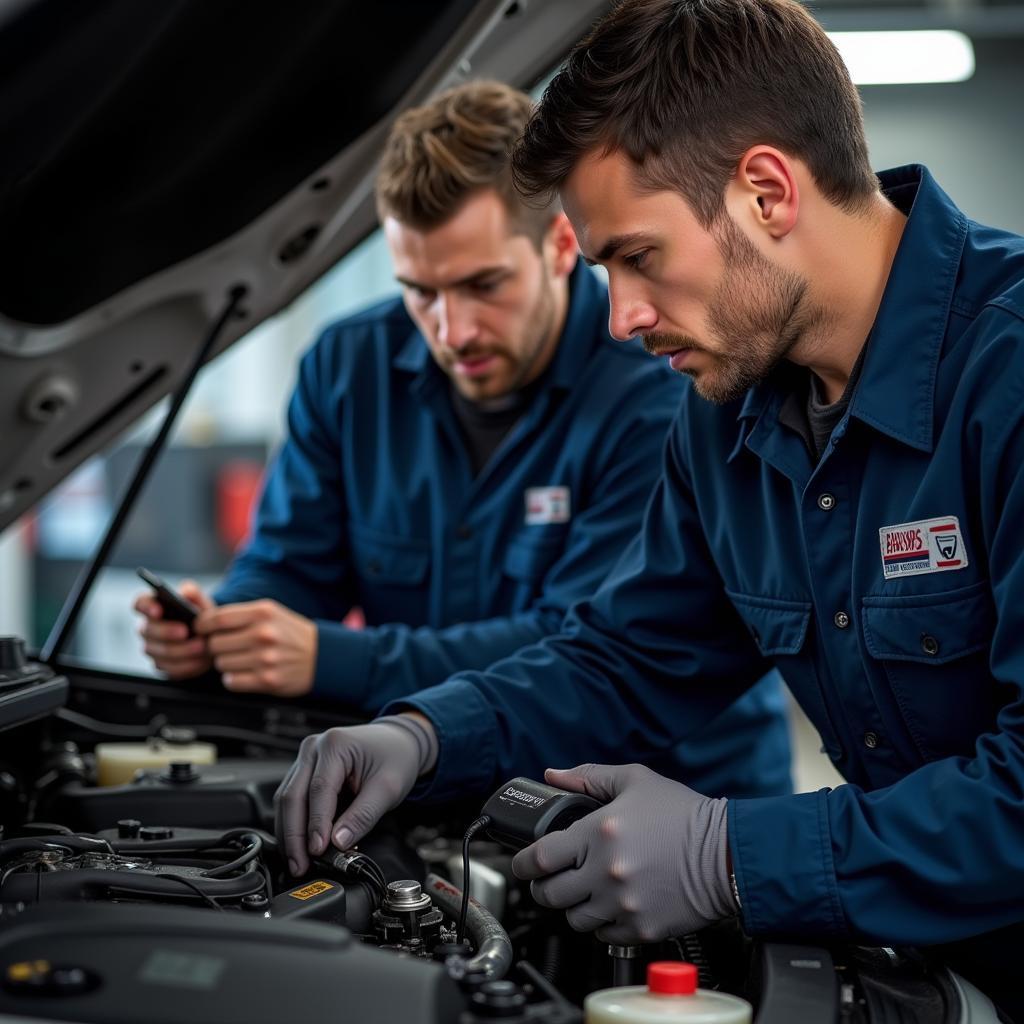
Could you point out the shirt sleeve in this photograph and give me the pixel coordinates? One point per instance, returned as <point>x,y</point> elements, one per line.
<point>655,654</point>
<point>298,552</point>
<point>938,856</point>
<point>369,667</point>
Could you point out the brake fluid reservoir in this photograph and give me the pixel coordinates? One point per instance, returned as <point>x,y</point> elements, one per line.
<point>670,996</point>
<point>117,763</point>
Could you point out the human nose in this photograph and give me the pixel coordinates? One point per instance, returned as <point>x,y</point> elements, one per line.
<point>630,314</point>
<point>456,326</point>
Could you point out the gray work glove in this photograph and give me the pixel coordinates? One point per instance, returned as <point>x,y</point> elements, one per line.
<point>648,865</point>
<point>379,763</point>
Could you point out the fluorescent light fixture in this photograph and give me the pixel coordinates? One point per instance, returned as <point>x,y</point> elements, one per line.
<point>903,58</point>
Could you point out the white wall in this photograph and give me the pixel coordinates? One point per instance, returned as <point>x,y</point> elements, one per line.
<point>969,134</point>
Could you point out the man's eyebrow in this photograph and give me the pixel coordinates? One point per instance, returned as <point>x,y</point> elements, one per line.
<point>612,246</point>
<point>474,278</point>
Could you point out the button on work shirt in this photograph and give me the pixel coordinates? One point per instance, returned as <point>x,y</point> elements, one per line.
<point>753,553</point>
<point>373,502</point>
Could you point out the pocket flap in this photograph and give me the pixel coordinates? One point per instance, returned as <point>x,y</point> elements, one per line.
<point>777,626</point>
<point>929,627</point>
<point>383,558</point>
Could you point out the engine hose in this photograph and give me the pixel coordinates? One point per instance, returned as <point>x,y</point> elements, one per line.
<point>493,948</point>
<point>692,949</point>
<point>552,961</point>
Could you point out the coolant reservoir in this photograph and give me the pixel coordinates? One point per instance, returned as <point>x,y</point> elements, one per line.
<point>670,996</point>
<point>117,763</point>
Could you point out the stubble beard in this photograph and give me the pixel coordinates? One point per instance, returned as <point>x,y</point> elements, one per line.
<point>520,360</point>
<point>757,314</point>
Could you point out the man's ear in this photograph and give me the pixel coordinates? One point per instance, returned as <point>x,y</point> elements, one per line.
<point>561,246</point>
<point>765,191</point>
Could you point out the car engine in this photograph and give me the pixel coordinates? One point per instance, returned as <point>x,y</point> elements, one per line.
<point>163,896</point>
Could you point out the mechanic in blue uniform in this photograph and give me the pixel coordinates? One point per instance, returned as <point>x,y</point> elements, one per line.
<point>842,496</point>
<point>462,466</point>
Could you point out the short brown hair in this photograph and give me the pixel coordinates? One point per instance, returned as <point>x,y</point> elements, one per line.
<point>459,143</point>
<point>685,87</point>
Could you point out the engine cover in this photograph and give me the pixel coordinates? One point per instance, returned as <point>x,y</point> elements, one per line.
<point>104,964</point>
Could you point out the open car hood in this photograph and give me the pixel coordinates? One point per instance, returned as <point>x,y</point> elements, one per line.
<point>156,159</point>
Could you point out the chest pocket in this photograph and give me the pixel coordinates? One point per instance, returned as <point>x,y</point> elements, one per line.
<point>934,649</point>
<point>387,559</point>
<point>532,552</point>
<point>778,627</point>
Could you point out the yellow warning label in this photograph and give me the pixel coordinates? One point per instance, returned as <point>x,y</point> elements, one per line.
<point>27,970</point>
<point>307,892</point>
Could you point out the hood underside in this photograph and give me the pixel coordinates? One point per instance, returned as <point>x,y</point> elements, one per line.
<point>154,157</point>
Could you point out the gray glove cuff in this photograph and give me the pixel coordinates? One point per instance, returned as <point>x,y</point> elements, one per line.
<point>709,886</point>
<point>426,739</point>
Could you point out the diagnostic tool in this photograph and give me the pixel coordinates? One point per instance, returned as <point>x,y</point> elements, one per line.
<point>518,814</point>
<point>521,811</point>
<point>176,608</point>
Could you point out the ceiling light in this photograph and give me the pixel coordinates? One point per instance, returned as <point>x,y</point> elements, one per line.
<point>902,58</point>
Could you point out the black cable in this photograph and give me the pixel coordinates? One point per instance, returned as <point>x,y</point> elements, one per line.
<point>268,882</point>
<point>143,732</point>
<point>249,855</point>
<point>128,732</point>
<point>133,846</point>
<point>375,880</point>
<point>13,869</point>
<point>482,822</point>
<point>350,863</point>
<point>205,897</point>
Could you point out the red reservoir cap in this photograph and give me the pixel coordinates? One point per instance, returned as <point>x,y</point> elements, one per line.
<point>669,978</point>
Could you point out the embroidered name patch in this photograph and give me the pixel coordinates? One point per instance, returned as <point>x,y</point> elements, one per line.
<point>929,545</point>
<point>547,505</point>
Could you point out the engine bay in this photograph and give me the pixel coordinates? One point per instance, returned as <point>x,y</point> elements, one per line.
<point>163,896</point>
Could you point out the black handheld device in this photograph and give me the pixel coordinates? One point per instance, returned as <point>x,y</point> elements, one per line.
<point>518,814</point>
<point>521,811</point>
<point>176,608</point>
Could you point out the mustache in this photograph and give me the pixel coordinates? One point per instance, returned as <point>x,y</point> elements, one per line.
<point>658,343</point>
<point>469,354</point>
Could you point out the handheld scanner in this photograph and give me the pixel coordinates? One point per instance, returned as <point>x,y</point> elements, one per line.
<point>521,811</point>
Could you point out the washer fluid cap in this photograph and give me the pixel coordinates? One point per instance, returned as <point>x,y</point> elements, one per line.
<point>668,978</point>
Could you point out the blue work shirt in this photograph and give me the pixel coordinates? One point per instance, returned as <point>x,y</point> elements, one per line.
<point>910,666</point>
<point>372,502</point>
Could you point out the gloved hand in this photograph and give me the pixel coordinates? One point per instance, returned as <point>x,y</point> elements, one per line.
<point>648,865</point>
<point>379,763</point>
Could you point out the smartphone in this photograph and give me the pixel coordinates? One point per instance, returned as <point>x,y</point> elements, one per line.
<point>176,608</point>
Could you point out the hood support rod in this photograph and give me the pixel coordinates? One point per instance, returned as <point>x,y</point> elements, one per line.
<point>72,608</point>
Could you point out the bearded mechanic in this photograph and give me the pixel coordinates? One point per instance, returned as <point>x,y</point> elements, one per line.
<point>855,348</point>
<point>462,464</point>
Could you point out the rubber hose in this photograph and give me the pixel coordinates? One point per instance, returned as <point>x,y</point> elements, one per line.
<point>493,948</point>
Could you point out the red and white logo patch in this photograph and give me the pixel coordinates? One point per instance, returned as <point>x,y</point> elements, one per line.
<point>547,505</point>
<point>929,545</point>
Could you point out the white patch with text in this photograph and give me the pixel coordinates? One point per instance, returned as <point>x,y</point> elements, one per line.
<point>547,505</point>
<point>929,545</point>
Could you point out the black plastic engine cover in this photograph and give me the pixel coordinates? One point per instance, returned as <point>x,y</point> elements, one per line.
<point>230,794</point>
<point>121,964</point>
